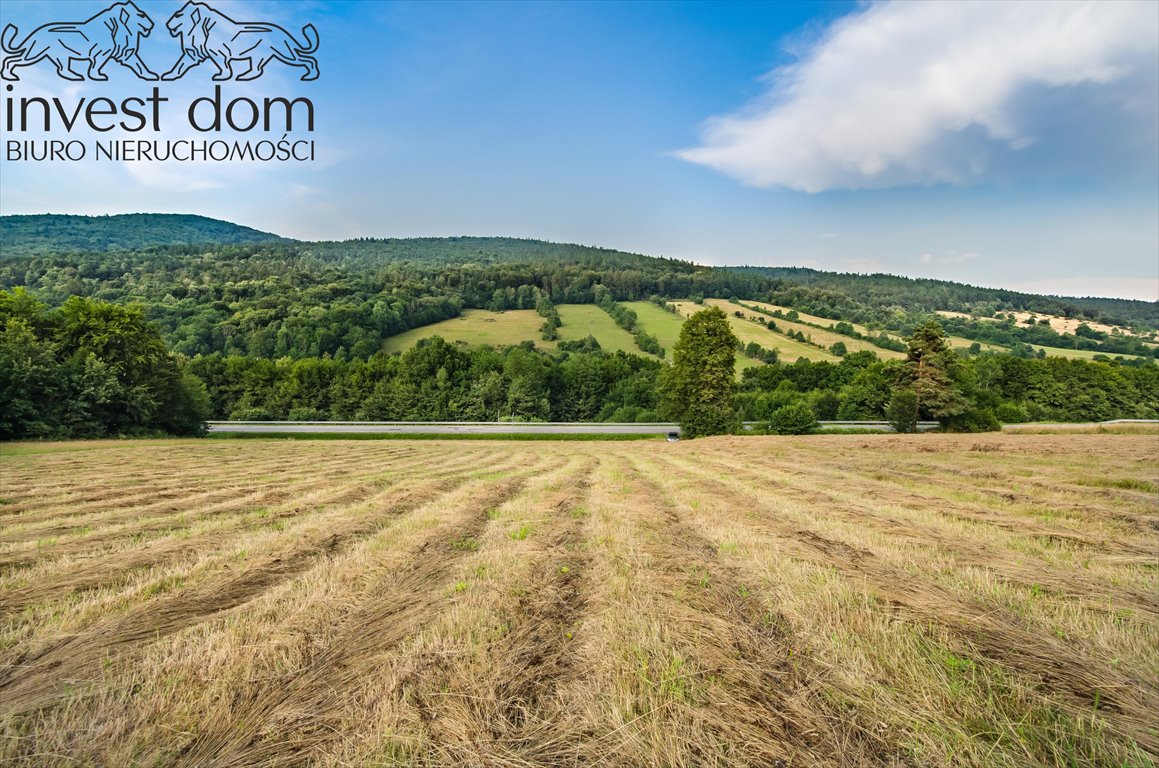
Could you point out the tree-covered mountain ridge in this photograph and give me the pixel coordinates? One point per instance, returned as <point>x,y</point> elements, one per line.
<point>857,297</point>
<point>161,335</point>
<point>41,234</point>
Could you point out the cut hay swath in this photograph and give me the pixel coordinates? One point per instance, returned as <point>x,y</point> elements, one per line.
<point>829,601</point>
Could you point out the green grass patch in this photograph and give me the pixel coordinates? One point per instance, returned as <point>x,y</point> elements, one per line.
<point>1124,483</point>
<point>465,544</point>
<point>788,350</point>
<point>664,325</point>
<point>583,320</point>
<point>1080,354</point>
<point>477,326</point>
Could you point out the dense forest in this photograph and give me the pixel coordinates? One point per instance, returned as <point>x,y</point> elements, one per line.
<point>90,369</point>
<point>54,234</point>
<point>240,324</point>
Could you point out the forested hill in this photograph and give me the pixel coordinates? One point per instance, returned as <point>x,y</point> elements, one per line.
<point>46,234</point>
<point>130,257</point>
<point>916,294</point>
<point>133,324</point>
<point>439,251</point>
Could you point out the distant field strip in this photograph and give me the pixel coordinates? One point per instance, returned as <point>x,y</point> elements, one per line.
<point>955,341</point>
<point>856,600</point>
<point>787,349</point>
<point>825,338</point>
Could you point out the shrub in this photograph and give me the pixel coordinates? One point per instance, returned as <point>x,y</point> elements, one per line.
<point>307,414</point>
<point>794,419</point>
<point>901,412</point>
<point>826,405</point>
<point>703,420</point>
<point>1010,413</point>
<point>974,420</point>
<point>252,414</point>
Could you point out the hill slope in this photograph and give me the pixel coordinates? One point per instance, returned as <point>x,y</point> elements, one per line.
<point>215,286</point>
<point>55,233</point>
<point>929,295</point>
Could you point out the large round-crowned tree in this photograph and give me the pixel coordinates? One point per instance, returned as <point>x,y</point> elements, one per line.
<point>697,389</point>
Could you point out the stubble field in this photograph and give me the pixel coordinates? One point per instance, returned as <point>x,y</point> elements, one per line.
<point>828,601</point>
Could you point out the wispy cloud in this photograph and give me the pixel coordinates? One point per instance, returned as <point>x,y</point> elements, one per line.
<point>861,265</point>
<point>953,257</point>
<point>948,92</point>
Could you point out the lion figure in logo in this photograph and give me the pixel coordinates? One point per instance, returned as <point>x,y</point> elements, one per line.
<point>208,34</point>
<point>111,35</point>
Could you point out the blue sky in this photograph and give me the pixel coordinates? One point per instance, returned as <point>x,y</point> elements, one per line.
<point>1004,144</point>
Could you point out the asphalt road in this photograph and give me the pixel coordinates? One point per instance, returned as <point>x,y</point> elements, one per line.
<point>537,428</point>
<point>439,428</point>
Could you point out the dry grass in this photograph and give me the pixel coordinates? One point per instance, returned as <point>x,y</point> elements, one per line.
<point>928,600</point>
<point>1057,322</point>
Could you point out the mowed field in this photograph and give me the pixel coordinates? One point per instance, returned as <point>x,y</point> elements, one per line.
<point>927,600</point>
<point>788,350</point>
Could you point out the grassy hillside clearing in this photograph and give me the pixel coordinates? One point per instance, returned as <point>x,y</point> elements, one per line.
<point>514,326</point>
<point>1079,354</point>
<point>825,338</point>
<point>788,349</point>
<point>664,325</point>
<point>830,601</point>
<point>1057,322</point>
<point>480,326</point>
<point>823,322</point>
<point>477,326</point>
<point>955,341</point>
<point>583,320</point>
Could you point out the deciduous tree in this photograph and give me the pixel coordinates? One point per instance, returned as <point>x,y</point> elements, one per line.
<point>698,388</point>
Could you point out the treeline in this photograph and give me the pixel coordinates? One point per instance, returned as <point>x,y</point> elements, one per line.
<point>439,381</point>
<point>435,381</point>
<point>986,389</point>
<point>90,369</point>
<point>841,294</point>
<point>1007,332</point>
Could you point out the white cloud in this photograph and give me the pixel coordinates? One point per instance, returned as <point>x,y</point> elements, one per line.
<point>953,257</point>
<point>947,92</point>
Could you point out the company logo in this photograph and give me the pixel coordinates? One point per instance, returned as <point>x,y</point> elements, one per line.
<point>114,35</point>
<point>111,35</point>
<point>207,33</point>
<point>164,124</point>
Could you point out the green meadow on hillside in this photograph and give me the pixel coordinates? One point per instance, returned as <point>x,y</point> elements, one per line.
<point>824,322</point>
<point>1077,354</point>
<point>477,326</point>
<point>665,326</point>
<point>788,350</point>
<point>583,320</point>
<point>825,338</point>
<point>515,326</point>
